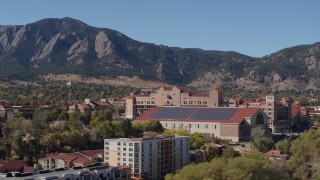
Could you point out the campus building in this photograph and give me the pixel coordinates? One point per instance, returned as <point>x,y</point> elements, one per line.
<point>88,106</point>
<point>232,124</point>
<point>69,160</point>
<point>149,157</point>
<point>137,103</point>
<point>278,112</point>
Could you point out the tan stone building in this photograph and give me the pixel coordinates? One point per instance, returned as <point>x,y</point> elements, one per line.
<point>69,160</point>
<point>171,96</point>
<point>88,106</point>
<point>278,112</point>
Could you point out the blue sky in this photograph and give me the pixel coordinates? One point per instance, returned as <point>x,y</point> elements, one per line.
<point>251,27</point>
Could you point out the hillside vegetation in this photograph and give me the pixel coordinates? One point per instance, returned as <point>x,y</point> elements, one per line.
<point>69,46</point>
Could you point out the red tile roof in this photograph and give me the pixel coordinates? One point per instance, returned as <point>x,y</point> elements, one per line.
<point>237,117</point>
<point>93,153</point>
<point>4,103</point>
<point>82,156</point>
<point>236,98</point>
<point>275,153</point>
<point>11,165</point>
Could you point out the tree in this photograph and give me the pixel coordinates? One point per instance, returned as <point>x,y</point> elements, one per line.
<point>178,132</point>
<point>147,126</point>
<point>196,141</point>
<point>283,146</point>
<point>74,122</point>
<point>53,115</point>
<point>124,128</point>
<point>40,118</point>
<point>263,144</point>
<point>315,120</point>
<point>304,162</point>
<point>229,152</point>
<point>106,129</point>
<point>257,132</point>
<point>63,116</point>
<point>252,166</point>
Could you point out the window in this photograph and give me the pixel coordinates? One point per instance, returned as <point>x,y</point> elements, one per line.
<point>130,144</point>
<point>204,102</point>
<point>124,144</point>
<point>124,159</point>
<point>119,149</point>
<point>119,144</point>
<point>207,126</point>
<point>198,126</point>
<point>190,102</point>
<point>130,154</point>
<point>124,154</point>
<point>130,149</point>
<point>124,149</point>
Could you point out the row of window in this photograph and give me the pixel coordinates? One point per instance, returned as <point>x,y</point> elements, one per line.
<point>185,126</point>
<point>195,102</point>
<point>145,102</point>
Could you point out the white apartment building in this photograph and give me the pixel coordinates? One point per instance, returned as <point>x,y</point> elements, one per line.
<point>149,157</point>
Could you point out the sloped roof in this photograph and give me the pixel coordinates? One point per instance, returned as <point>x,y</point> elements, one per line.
<point>11,165</point>
<point>275,153</point>
<point>221,115</point>
<point>82,156</point>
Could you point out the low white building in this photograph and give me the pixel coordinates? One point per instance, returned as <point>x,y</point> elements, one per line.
<point>232,124</point>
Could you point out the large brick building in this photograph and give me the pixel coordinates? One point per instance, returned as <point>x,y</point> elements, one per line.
<point>278,112</point>
<point>233,124</point>
<point>171,96</point>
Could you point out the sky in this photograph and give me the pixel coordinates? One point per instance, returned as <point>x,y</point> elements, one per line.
<point>251,27</point>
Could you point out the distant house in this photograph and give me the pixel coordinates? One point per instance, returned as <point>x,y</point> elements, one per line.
<point>276,155</point>
<point>5,107</point>
<point>69,160</point>
<point>88,106</point>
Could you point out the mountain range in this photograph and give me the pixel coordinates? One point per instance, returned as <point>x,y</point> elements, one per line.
<point>69,46</point>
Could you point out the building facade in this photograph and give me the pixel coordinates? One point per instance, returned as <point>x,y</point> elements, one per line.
<point>136,103</point>
<point>278,112</point>
<point>232,124</point>
<point>149,157</point>
<point>88,106</point>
